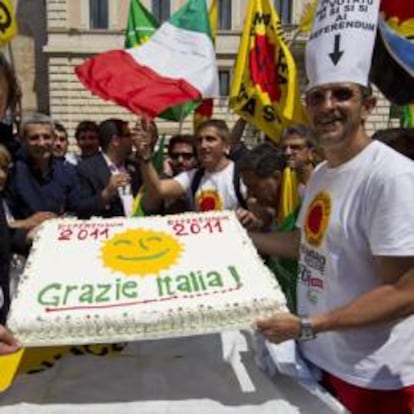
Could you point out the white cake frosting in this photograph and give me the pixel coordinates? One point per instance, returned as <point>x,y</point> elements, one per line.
<point>108,280</point>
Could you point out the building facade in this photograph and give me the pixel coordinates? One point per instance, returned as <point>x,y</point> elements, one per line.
<point>77,29</point>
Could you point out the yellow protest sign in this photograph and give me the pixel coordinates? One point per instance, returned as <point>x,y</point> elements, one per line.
<point>265,89</point>
<point>8,25</point>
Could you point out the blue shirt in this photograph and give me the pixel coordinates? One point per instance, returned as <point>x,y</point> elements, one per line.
<point>30,192</point>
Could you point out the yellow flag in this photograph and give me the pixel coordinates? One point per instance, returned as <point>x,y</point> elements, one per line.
<point>308,14</point>
<point>8,25</point>
<point>289,197</point>
<point>265,88</point>
<point>213,17</point>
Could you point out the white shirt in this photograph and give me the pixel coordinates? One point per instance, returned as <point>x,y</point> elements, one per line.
<point>216,190</point>
<point>125,192</point>
<point>361,209</point>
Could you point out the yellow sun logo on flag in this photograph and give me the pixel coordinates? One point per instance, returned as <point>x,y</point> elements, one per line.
<point>141,252</point>
<point>208,200</point>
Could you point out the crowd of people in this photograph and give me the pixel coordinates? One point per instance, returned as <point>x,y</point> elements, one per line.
<point>354,238</point>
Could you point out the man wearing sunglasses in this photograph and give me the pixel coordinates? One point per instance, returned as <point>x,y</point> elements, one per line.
<point>181,153</point>
<point>355,245</point>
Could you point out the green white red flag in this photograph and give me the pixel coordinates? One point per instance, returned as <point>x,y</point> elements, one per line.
<point>176,65</point>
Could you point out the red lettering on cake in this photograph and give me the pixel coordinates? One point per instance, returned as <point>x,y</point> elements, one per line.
<point>188,228</point>
<point>83,233</point>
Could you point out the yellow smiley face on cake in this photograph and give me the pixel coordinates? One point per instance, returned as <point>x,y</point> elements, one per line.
<point>141,252</point>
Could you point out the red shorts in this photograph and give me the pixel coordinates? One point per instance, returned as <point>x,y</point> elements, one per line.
<point>366,401</point>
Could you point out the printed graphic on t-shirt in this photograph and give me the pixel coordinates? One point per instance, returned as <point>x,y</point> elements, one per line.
<point>207,200</point>
<point>317,218</point>
<point>311,272</point>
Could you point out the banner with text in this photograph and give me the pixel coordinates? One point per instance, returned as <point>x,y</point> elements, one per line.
<point>8,24</point>
<point>341,43</point>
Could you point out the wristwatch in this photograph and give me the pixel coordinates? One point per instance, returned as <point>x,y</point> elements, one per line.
<point>146,159</point>
<point>306,331</point>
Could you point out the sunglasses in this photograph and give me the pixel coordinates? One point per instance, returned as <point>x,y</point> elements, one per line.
<point>185,155</point>
<point>337,94</point>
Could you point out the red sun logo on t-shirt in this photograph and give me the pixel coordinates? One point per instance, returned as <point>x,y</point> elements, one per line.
<point>208,200</point>
<point>317,218</point>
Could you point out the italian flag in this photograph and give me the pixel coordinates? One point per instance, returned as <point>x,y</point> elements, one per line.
<point>176,65</point>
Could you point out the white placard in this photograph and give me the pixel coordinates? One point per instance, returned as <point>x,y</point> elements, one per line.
<point>341,43</point>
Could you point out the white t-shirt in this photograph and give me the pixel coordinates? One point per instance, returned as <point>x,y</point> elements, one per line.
<point>216,190</point>
<point>125,192</point>
<point>361,209</point>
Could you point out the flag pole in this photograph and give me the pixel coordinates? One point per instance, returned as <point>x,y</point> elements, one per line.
<point>295,35</point>
<point>11,55</point>
<point>180,126</point>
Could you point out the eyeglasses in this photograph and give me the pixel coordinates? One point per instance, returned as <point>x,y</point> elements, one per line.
<point>337,94</point>
<point>293,147</point>
<point>185,155</point>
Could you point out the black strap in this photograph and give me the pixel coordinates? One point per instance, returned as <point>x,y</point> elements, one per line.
<point>236,185</point>
<point>195,183</point>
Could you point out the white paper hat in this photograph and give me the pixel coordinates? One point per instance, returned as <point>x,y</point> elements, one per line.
<point>341,42</point>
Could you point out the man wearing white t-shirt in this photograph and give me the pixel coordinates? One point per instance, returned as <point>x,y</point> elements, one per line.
<point>356,260</point>
<point>215,189</point>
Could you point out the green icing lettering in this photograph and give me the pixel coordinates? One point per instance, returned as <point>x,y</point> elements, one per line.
<point>86,294</point>
<point>56,294</point>
<point>194,282</point>
<point>102,291</point>
<point>201,280</point>
<point>118,289</point>
<point>69,288</point>
<point>164,286</point>
<point>44,297</point>
<point>183,283</point>
<point>129,289</point>
<point>214,279</point>
<point>236,276</point>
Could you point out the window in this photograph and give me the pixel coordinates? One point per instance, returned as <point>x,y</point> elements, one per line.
<point>161,9</point>
<point>284,10</point>
<point>224,13</point>
<point>98,14</point>
<point>224,82</point>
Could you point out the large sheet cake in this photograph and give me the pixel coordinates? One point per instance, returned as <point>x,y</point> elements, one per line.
<point>108,280</point>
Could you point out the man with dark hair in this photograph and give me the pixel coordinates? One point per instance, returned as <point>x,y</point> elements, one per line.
<point>181,153</point>
<point>87,139</point>
<point>109,179</point>
<point>60,142</point>
<point>261,169</point>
